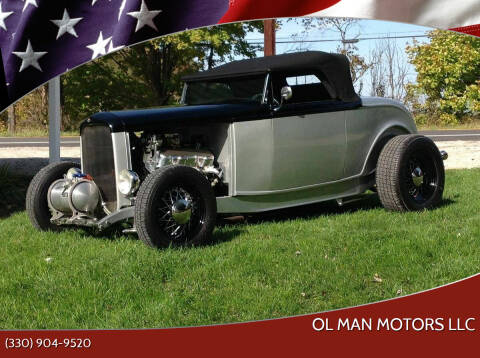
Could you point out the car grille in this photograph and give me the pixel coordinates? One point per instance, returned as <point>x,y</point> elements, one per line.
<point>98,161</point>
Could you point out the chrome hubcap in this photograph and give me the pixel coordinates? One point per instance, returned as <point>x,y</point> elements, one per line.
<point>179,213</point>
<point>182,211</point>
<point>417,176</point>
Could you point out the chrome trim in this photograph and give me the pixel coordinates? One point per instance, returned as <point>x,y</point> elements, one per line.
<point>444,155</point>
<point>81,152</point>
<point>233,160</point>
<point>122,159</point>
<point>265,89</point>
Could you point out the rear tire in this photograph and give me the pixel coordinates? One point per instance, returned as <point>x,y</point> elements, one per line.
<point>175,206</point>
<point>410,174</point>
<point>36,201</point>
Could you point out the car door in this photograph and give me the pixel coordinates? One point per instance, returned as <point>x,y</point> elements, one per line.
<point>309,146</point>
<point>309,138</point>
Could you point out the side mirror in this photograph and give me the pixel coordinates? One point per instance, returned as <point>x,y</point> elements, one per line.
<point>286,93</point>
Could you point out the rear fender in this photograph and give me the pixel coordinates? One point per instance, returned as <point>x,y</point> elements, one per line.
<point>380,141</point>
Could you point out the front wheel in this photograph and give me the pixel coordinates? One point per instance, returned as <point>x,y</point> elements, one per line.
<point>410,175</point>
<point>37,202</point>
<point>176,206</point>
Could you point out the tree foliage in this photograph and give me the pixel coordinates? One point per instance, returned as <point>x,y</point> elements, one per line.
<point>149,74</point>
<point>448,82</point>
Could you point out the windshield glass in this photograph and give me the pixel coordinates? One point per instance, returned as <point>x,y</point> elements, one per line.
<point>228,90</point>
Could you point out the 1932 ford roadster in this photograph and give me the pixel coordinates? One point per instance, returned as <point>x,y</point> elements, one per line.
<point>250,136</point>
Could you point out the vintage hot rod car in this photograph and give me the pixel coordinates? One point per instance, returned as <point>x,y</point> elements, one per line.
<point>249,136</point>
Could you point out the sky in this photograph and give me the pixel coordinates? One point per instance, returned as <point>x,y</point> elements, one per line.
<point>365,29</point>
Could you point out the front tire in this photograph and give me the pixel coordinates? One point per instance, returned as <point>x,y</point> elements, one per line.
<point>36,201</point>
<point>410,174</point>
<point>175,206</point>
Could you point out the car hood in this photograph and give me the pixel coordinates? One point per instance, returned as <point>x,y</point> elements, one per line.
<point>174,117</point>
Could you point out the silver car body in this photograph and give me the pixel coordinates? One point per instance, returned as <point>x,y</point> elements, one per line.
<point>288,161</point>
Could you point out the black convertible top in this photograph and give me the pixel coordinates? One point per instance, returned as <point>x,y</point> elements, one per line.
<point>332,68</point>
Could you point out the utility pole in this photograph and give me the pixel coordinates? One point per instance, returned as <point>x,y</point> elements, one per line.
<point>270,38</point>
<point>54,119</point>
<point>11,119</point>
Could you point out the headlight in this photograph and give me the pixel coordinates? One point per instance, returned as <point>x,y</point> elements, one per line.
<point>128,182</point>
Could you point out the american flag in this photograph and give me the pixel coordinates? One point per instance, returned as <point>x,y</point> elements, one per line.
<point>41,39</point>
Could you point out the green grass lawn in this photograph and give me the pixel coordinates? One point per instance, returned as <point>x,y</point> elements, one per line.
<point>294,262</point>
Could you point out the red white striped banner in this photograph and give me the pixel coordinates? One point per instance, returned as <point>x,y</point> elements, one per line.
<point>444,14</point>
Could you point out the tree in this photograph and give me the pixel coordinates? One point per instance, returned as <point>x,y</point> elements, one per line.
<point>344,27</point>
<point>150,74</point>
<point>448,81</point>
<point>388,70</point>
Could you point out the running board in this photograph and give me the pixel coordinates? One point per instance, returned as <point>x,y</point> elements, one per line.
<point>348,200</point>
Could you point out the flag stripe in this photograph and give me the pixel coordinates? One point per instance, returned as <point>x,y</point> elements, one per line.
<point>253,9</point>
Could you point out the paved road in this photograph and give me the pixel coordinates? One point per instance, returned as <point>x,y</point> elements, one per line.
<point>439,136</point>
<point>7,142</point>
<point>453,135</point>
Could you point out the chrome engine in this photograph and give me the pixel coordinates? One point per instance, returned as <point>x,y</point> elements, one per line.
<point>161,151</point>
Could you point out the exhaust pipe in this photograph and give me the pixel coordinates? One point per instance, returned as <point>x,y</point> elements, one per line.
<point>444,155</point>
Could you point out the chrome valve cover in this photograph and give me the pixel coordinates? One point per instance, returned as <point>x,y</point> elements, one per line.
<point>199,159</point>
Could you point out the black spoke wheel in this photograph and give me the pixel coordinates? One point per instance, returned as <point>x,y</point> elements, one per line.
<point>410,174</point>
<point>175,206</point>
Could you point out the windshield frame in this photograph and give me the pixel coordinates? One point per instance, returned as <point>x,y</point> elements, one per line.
<point>262,102</point>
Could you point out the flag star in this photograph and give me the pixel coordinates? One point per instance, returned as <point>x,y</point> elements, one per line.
<point>30,57</point>
<point>3,16</point>
<point>66,24</point>
<point>111,48</point>
<point>122,7</point>
<point>94,1</point>
<point>29,2</point>
<point>145,17</point>
<point>99,48</point>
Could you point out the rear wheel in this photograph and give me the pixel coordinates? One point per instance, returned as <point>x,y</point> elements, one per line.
<point>37,202</point>
<point>410,174</point>
<point>175,206</point>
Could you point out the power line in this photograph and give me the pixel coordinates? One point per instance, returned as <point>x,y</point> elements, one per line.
<point>339,40</point>
<point>392,34</point>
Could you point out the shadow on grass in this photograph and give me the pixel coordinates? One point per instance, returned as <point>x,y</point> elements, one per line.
<point>369,202</point>
<point>116,232</point>
<point>13,191</point>
<point>234,226</point>
<point>445,203</point>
